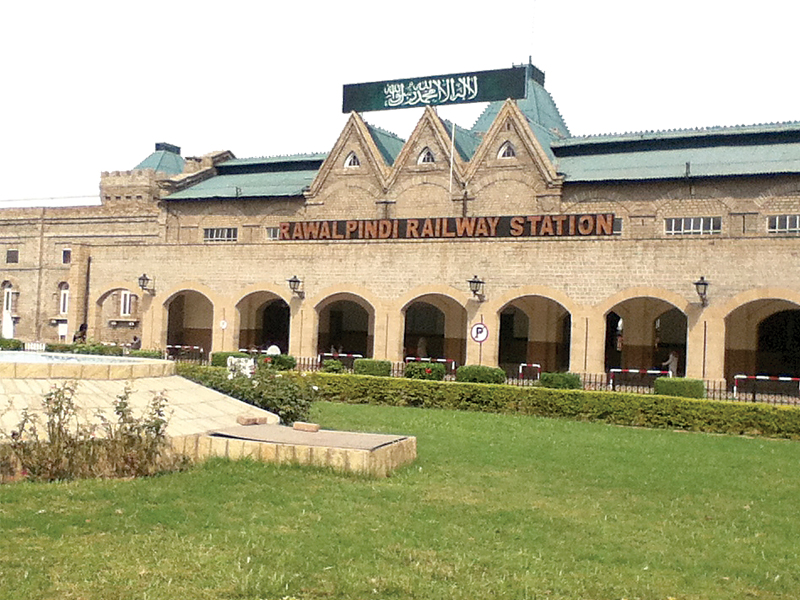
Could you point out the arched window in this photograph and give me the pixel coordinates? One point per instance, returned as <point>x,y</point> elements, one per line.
<point>507,150</point>
<point>63,298</point>
<point>352,160</point>
<point>426,157</point>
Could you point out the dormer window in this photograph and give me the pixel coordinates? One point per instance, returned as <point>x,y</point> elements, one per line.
<point>426,157</point>
<point>507,150</point>
<point>352,160</point>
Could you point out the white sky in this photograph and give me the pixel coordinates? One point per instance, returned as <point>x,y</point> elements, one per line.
<point>91,86</point>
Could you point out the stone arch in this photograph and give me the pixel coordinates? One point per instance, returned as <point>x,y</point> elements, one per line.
<point>263,318</point>
<point>747,319</point>
<point>109,320</point>
<point>635,320</point>
<point>189,315</point>
<point>345,324</point>
<point>534,329</point>
<point>434,326</point>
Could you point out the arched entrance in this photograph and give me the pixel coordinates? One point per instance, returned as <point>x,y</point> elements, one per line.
<point>190,316</point>
<point>435,327</point>
<point>641,332</point>
<point>762,337</point>
<point>263,321</point>
<point>534,329</point>
<point>346,325</point>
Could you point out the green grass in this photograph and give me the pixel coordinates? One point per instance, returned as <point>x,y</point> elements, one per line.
<point>495,507</point>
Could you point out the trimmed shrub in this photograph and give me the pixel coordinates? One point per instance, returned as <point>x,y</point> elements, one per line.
<point>146,353</point>
<point>281,362</point>
<point>92,348</point>
<point>332,365</point>
<point>561,381</point>
<point>10,344</point>
<point>639,410</point>
<point>480,374</point>
<point>220,359</point>
<point>286,393</point>
<point>680,386</point>
<point>425,370</point>
<point>369,366</point>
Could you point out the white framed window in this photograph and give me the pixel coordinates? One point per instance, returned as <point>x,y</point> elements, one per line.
<point>783,224</point>
<point>693,226</point>
<point>220,234</point>
<point>125,303</point>
<point>66,256</point>
<point>426,157</point>
<point>617,227</point>
<point>63,298</point>
<point>273,233</point>
<point>507,150</point>
<point>8,297</point>
<point>352,160</point>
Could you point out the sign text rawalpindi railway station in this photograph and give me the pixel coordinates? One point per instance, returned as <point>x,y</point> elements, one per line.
<point>451,227</point>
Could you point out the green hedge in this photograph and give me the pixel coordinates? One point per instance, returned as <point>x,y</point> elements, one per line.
<point>220,359</point>
<point>101,349</point>
<point>332,366</point>
<point>285,393</point>
<point>369,366</point>
<point>561,381</point>
<point>10,344</point>
<point>663,412</point>
<point>282,362</point>
<point>425,370</point>
<point>680,386</point>
<point>480,374</point>
<point>147,353</point>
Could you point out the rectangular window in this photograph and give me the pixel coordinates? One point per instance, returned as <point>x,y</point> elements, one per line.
<point>273,233</point>
<point>617,229</point>
<point>125,303</point>
<point>8,300</point>
<point>220,234</point>
<point>693,226</point>
<point>66,256</point>
<point>783,224</point>
<point>12,256</point>
<point>63,305</point>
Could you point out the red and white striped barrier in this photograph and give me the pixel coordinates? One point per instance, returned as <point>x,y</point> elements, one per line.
<point>449,363</point>
<point>611,373</point>
<point>338,355</point>
<point>536,366</point>
<point>736,379</point>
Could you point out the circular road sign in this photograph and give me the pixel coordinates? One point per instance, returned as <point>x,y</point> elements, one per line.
<point>479,332</point>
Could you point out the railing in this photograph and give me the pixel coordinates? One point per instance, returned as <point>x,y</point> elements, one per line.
<point>34,346</point>
<point>193,354</point>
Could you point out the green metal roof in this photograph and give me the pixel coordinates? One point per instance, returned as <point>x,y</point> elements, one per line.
<point>712,152</point>
<point>267,177</point>
<point>388,143</point>
<point>541,111</point>
<point>162,161</point>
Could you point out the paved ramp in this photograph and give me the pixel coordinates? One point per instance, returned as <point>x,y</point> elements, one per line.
<point>192,408</point>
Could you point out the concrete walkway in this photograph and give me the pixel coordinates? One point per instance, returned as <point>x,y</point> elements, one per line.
<point>192,408</point>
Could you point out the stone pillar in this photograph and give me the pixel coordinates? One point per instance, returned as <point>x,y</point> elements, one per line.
<point>705,345</point>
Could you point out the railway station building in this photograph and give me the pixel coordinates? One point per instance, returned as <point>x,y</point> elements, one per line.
<point>574,253</point>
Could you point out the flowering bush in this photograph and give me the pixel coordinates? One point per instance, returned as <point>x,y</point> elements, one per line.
<point>425,370</point>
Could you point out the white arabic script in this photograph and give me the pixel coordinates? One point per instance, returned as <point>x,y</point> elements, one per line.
<point>431,91</point>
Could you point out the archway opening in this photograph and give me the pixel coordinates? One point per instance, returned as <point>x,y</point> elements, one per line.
<point>435,327</point>
<point>345,328</point>
<point>534,330</point>
<point>190,317</point>
<point>761,338</point>
<point>263,321</point>
<point>642,332</point>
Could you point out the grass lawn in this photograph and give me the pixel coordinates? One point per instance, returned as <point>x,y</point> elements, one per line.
<point>495,507</point>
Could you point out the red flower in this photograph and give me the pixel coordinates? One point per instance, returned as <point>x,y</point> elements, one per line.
<point>428,371</point>
<point>268,359</point>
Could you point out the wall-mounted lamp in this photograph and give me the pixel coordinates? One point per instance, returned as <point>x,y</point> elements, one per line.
<point>701,286</point>
<point>476,287</point>
<point>294,284</point>
<point>144,282</point>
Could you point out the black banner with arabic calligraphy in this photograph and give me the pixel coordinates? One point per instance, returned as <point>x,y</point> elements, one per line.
<point>480,86</point>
